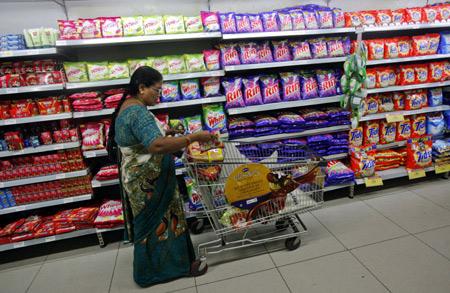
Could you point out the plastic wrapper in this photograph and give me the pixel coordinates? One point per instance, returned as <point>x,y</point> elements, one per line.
<point>194,62</point>
<point>403,130</point>
<point>133,26</point>
<point>368,18</point>
<point>290,86</point>
<point>371,133</point>
<point>243,23</point>
<point>298,21</point>
<point>248,53</point>
<point>210,86</point>
<point>229,54</point>
<point>233,93</point>
<point>269,21</point>
<point>240,123</point>
<point>214,118</point>
<point>210,21</point>
<point>228,23</point>
<point>353,19</point>
<point>362,161</point>
<point>421,71</point>
<point>375,49</point>
<point>414,99</point>
<point>335,48</point>
<point>193,124</point>
<point>285,21</point>
<point>281,51</point>
<point>404,47</point>
<point>419,153</point>
<point>270,89</point>
<point>300,50</point>
<point>407,75</point>
<point>170,92</point>
<point>193,24</point>
<point>413,15</point>
<point>153,25</point>
<point>327,83</point>
<point>310,19</point>
<point>160,64</point>
<point>264,120</point>
<point>386,103</point>
<point>76,71</point>
<point>68,30</point>
<point>190,89</point>
<point>111,27</point>
<point>118,70</point>
<point>383,17</point>
<point>318,48</point>
<point>89,28</point>
<point>309,87</point>
<point>264,53</point>
<point>391,48</point>
<point>92,136</point>
<point>387,132</point>
<point>436,71</point>
<point>435,124</point>
<point>337,173</point>
<point>174,24</point>
<point>176,64</point>
<point>325,18</point>
<point>399,101</point>
<point>418,126</point>
<point>97,71</point>
<point>290,119</point>
<point>212,59</point>
<point>252,91</point>
<point>435,97</point>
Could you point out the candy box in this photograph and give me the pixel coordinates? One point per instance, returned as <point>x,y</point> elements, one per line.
<point>210,21</point>
<point>194,62</point>
<point>419,153</point>
<point>89,28</point>
<point>133,26</point>
<point>76,71</point>
<point>111,27</point>
<point>153,25</point>
<point>387,132</point>
<point>193,24</point>
<point>174,24</point>
<point>214,118</point>
<point>97,71</point>
<point>371,132</point>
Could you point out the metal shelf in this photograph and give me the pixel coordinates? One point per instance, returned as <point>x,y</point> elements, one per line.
<point>336,187</point>
<point>41,149</point>
<point>293,135</point>
<point>407,59</point>
<point>407,27</point>
<point>109,229</point>
<point>194,75</point>
<point>93,113</point>
<point>137,39</point>
<point>245,36</point>
<point>28,53</point>
<point>408,87</point>
<point>188,103</point>
<point>284,64</point>
<point>45,178</point>
<point>95,153</point>
<point>391,145</point>
<point>97,183</point>
<point>31,89</point>
<point>43,204</point>
<point>335,157</point>
<point>405,113</point>
<point>40,118</point>
<point>284,105</point>
<point>392,174</point>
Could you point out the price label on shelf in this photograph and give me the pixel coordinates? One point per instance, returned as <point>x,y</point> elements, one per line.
<point>68,200</point>
<point>394,118</point>
<point>442,168</point>
<point>416,173</point>
<point>10,121</point>
<point>50,239</point>
<point>19,244</point>
<point>7,53</point>
<point>60,176</point>
<point>13,90</point>
<point>373,181</point>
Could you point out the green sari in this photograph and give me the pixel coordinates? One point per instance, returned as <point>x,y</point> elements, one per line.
<point>153,210</point>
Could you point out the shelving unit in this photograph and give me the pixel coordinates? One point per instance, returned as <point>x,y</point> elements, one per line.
<point>31,89</point>
<point>406,27</point>
<point>408,59</point>
<point>86,114</point>
<point>28,53</point>
<point>406,112</point>
<point>242,67</point>
<point>178,104</point>
<point>408,87</point>
<point>97,183</point>
<point>45,178</point>
<point>33,119</point>
<point>95,153</point>
<point>40,149</point>
<point>281,34</point>
<point>392,174</point>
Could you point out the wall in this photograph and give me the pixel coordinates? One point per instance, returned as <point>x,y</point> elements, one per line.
<point>15,15</point>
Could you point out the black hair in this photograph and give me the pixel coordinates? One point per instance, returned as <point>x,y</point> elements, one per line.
<point>144,75</point>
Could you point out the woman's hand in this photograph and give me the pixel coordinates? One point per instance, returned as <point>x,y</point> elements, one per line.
<point>203,136</point>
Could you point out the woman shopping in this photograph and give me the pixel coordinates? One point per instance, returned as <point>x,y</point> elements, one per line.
<point>155,220</point>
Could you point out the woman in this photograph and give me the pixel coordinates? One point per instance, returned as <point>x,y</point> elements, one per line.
<point>153,210</point>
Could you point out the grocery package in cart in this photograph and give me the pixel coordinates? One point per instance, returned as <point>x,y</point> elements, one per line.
<point>246,187</point>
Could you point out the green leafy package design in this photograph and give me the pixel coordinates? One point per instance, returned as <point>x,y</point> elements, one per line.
<point>76,71</point>
<point>153,25</point>
<point>194,62</point>
<point>98,71</point>
<point>118,70</point>
<point>176,64</point>
<point>132,26</point>
<point>193,24</point>
<point>174,24</point>
<point>160,64</point>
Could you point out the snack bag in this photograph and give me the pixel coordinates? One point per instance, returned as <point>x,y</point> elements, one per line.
<point>269,21</point>
<point>362,160</point>
<point>233,92</point>
<point>98,71</point>
<point>444,12</point>
<point>325,18</point>
<point>327,83</point>
<point>264,53</point>
<point>68,30</point>
<point>436,71</point>
<point>356,136</point>
<point>211,86</point>
<point>178,125</point>
<point>435,97</point>
<point>398,16</point>
<point>252,91</point>
<point>176,64</point>
<point>433,43</point>
<point>309,87</point>
<point>419,153</point>
<point>243,23</point>
<point>352,19</point>
<point>210,21</point>
<point>193,24</point>
<point>421,73</point>
<point>118,70</point>
<point>318,48</point>
<point>414,100</point>
<point>270,89</point>
<point>371,105</point>
<point>111,27</point>
<point>193,124</point>
<point>338,18</point>
<point>420,45</point>
<point>174,24</point>
<point>228,23</point>
<point>387,132</point>
<point>153,25</point>
<point>407,75</point>
<point>371,132</point>
<point>418,126</point>
<point>383,17</point>
<point>300,50</point>
<point>368,17</point>
<point>336,48</point>
<point>391,48</point>
<point>435,124</point>
<point>285,21</point>
<point>376,49</point>
<point>298,21</point>
<point>170,92</point>
<point>76,71</point>
<point>404,47</point>
<point>403,130</point>
<point>413,15</point>
<point>133,26</point>
<point>160,64</point>
<point>310,19</point>
<point>383,77</point>
<point>430,14</point>
<point>190,89</point>
<point>89,28</point>
<point>229,54</point>
<point>256,23</point>
<point>134,64</point>
<point>194,62</point>
<point>371,78</point>
<point>212,59</point>
<point>290,86</point>
<point>214,118</point>
<point>386,103</point>
<point>248,53</point>
<point>281,51</point>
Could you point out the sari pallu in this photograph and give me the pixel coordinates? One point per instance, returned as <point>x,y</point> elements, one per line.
<point>154,217</point>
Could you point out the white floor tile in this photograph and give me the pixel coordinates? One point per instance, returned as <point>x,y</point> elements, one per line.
<point>263,282</point>
<point>438,192</point>
<point>123,277</point>
<point>17,281</point>
<point>23,263</point>
<point>89,250</point>
<point>411,212</point>
<point>406,265</point>
<point>316,242</point>
<point>88,273</point>
<point>439,239</point>
<point>356,224</point>
<point>336,273</point>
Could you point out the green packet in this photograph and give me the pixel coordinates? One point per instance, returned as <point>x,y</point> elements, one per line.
<point>134,64</point>
<point>176,64</point>
<point>118,70</point>
<point>194,62</point>
<point>193,24</point>
<point>174,24</point>
<point>97,71</point>
<point>76,71</point>
<point>153,25</point>
<point>160,64</point>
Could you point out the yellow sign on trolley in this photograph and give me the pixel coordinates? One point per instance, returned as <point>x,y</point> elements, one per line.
<point>247,182</point>
<point>416,173</point>
<point>373,181</point>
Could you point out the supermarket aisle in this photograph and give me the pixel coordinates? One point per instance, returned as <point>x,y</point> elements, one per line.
<point>396,240</point>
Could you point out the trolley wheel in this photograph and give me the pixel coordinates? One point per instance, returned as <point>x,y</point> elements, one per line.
<point>293,243</point>
<point>198,268</point>
<point>281,224</point>
<point>197,226</point>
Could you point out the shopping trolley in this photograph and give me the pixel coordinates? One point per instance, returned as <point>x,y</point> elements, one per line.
<point>296,180</point>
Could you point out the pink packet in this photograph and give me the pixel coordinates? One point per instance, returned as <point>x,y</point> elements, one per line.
<point>210,21</point>
<point>285,21</point>
<point>212,59</point>
<point>89,28</point>
<point>298,21</point>
<point>210,86</point>
<point>243,23</point>
<point>233,92</point>
<point>269,20</point>
<point>256,23</point>
<point>248,53</point>
<point>227,23</point>
<point>111,27</point>
<point>281,51</point>
<point>264,53</point>
<point>68,30</point>
<point>229,54</point>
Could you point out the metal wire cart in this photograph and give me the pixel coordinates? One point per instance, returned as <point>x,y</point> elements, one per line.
<point>291,177</point>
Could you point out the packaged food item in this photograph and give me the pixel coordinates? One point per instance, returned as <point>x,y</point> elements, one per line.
<point>435,124</point>
<point>413,15</point>
<point>435,97</point>
<point>436,71</point>
<point>325,18</point>
<point>371,132</point>
<point>414,100</point>
<point>386,103</point>
<point>421,73</point>
<point>310,19</point>
<point>170,92</point>
<point>76,71</point>
<point>407,75</point>
<point>309,87</point>
<point>132,26</point>
<point>233,92</point>
<point>252,91</point>
<point>368,17</point>
<point>281,51</point>
<point>285,21</point>
<point>97,71</point>
<point>300,50</point>
<point>68,30</point>
<point>92,136</point>
<point>264,53</point>
<point>376,49</point>
<point>270,89</point>
<point>298,21</point>
<point>387,132</point>
<point>418,126</point>
<point>327,83</point>
<point>318,48</point>
<point>176,64</point>
<point>214,118</point>
<point>111,27</point>
<point>391,48</point>
<point>193,24</point>
<point>212,59</point>
<point>248,53</point>
<point>290,86</point>
<point>210,21</point>
<point>353,19</point>
<point>404,47</point>
<point>211,86</point>
<point>243,23</point>
<point>419,153</point>
<point>228,23</point>
<point>174,24</point>
<point>89,28</point>
<point>362,161</point>
<point>433,43</point>
<point>194,62</point>
<point>153,25</point>
<point>160,64</point>
<point>399,101</point>
<point>403,130</point>
<point>193,124</point>
<point>371,78</point>
<point>190,89</point>
<point>118,70</point>
<point>229,54</point>
<point>269,21</point>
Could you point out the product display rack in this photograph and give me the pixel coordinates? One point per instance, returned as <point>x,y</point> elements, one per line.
<point>33,119</point>
<point>392,174</point>
<point>86,114</point>
<point>45,178</point>
<point>28,53</point>
<point>282,34</point>
<point>283,64</point>
<point>31,89</point>
<point>406,112</point>
<point>95,153</point>
<point>406,27</point>
<point>178,104</point>
<point>41,149</point>
<point>409,59</point>
<point>408,87</point>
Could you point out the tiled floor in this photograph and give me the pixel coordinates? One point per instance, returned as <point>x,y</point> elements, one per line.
<point>387,241</point>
